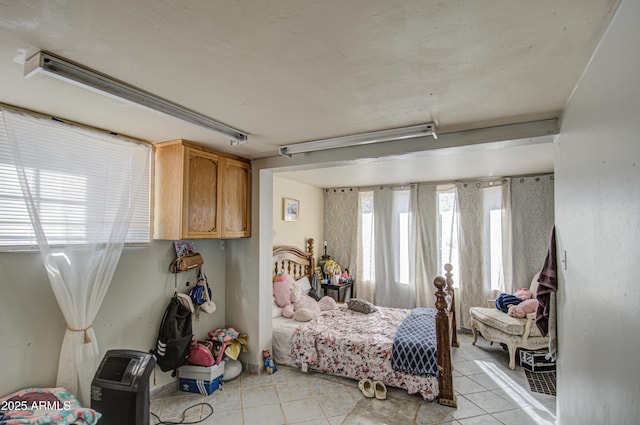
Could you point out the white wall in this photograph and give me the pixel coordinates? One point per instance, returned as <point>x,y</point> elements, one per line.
<point>248,279</point>
<point>32,326</point>
<point>249,265</point>
<point>597,196</point>
<point>309,225</point>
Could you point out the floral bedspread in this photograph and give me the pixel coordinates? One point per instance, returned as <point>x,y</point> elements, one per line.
<point>44,406</point>
<point>347,343</point>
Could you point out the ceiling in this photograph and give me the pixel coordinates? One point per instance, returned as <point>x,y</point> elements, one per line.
<point>292,71</point>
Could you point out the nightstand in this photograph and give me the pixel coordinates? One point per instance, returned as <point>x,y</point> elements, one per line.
<point>339,292</point>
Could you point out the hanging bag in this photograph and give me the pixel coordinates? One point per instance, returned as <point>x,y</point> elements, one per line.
<point>201,353</point>
<point>186,263</point>
<point>201,294</point>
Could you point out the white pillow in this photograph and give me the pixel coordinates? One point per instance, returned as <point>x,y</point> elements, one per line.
<point>327,303</point>
<point>303,283</point>
<point>304,315</point>
<point>276,311</point>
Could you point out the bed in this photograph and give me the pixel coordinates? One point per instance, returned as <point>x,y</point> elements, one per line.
<point>354,345</point>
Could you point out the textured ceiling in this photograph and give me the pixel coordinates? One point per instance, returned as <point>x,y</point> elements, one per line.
<point>292,71</point>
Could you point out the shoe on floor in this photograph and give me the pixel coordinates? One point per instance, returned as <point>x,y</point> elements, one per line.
<point>380,390</point>
<point>366,386</point>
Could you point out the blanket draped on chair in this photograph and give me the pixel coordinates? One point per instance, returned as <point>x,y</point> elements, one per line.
<point>547,284</point>
<point>415,347</point>
<point>546,296</point>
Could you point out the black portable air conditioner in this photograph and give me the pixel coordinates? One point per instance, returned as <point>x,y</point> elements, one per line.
<point>120,387</point>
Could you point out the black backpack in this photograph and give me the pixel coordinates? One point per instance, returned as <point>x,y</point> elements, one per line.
<point>175,336</point>
<point>314,291</point>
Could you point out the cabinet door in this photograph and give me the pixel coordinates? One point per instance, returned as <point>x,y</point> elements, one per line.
<point>236,198</point>
<point>201,195</point>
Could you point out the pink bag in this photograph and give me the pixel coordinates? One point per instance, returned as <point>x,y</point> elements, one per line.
<point>200,353</point>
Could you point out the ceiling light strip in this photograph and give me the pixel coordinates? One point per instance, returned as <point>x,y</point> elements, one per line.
<point>63,69</point>
<point>361,139</point>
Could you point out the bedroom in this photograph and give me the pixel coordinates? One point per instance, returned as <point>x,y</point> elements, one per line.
<point>589,173</point>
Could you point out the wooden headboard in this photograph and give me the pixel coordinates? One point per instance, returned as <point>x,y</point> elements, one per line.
<point>294,261</point>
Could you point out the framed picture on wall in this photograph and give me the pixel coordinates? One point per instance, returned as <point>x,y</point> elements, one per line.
<point>290,209</point>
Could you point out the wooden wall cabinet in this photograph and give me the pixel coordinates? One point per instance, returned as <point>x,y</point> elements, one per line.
<point>236,198</point>
<point>200,193</point>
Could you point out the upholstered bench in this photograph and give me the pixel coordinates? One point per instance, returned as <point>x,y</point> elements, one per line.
<point>496,326</point>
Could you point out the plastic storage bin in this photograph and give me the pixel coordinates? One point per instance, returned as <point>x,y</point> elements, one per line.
<point>535,361</point>
<point>204,373</point>
<point>200,386</point>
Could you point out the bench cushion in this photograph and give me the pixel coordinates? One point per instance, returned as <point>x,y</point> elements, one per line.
<point>496,319</point>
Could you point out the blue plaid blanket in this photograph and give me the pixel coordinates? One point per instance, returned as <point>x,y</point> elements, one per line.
<point>415,348</point>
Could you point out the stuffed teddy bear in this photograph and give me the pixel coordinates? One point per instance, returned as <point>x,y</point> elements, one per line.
<point>296,304</point>
<point>521,310</point>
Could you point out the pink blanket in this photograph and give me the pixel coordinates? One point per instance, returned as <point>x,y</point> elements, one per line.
<point>355,345</point>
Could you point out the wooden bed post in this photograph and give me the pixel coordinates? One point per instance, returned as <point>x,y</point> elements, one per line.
<point>445,379</point>
<point>452,310</point>
<point>312,258</point>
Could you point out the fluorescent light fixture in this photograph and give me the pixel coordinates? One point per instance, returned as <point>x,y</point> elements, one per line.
<point>63,69</point>
<point>361,139</point>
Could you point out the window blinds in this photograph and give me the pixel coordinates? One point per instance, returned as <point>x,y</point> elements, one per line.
<point>67,166</point>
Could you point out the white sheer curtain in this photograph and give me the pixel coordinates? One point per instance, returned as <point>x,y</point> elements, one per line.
<point>395,246</point>
<point>365,277</point>
<point>507,238</point>
<point>426,244</point>
<point>484,245</point>
<point>81,231</point>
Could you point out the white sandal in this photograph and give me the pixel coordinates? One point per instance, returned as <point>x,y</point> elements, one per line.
<point>366,386</point>
<point>380,390</point>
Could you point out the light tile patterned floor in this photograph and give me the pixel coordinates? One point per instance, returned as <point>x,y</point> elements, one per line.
<point>488,392</point>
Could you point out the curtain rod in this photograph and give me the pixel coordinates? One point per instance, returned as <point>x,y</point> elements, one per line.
<point>74,123</point>
<point>440,182</point>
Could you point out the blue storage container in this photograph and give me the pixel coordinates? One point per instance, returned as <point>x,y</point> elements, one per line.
<point>200,386</point>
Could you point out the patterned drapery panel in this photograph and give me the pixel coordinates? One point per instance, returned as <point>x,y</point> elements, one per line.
<point>340,227</point>
<point>476,269</point>
<point>532,206</point>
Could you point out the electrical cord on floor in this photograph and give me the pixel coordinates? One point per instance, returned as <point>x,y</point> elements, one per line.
<point>184,414</point>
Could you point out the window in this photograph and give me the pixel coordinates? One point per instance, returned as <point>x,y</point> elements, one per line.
<point>365,201</point>
<point>448,232</point>
<point>401,219</point>
<point>402,240</point>
<point>65,167</point>
<point>492,197</point>
<point>398,233</point>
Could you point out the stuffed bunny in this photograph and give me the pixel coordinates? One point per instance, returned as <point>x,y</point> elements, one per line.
<point>295,303</point>
<point>306,307</point>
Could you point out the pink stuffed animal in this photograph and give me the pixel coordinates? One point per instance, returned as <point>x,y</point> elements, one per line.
<point>302,307</point>
<point>523,294</point>
<point>282,286</point>
<point>525,307</point>
<point>295,303</point>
